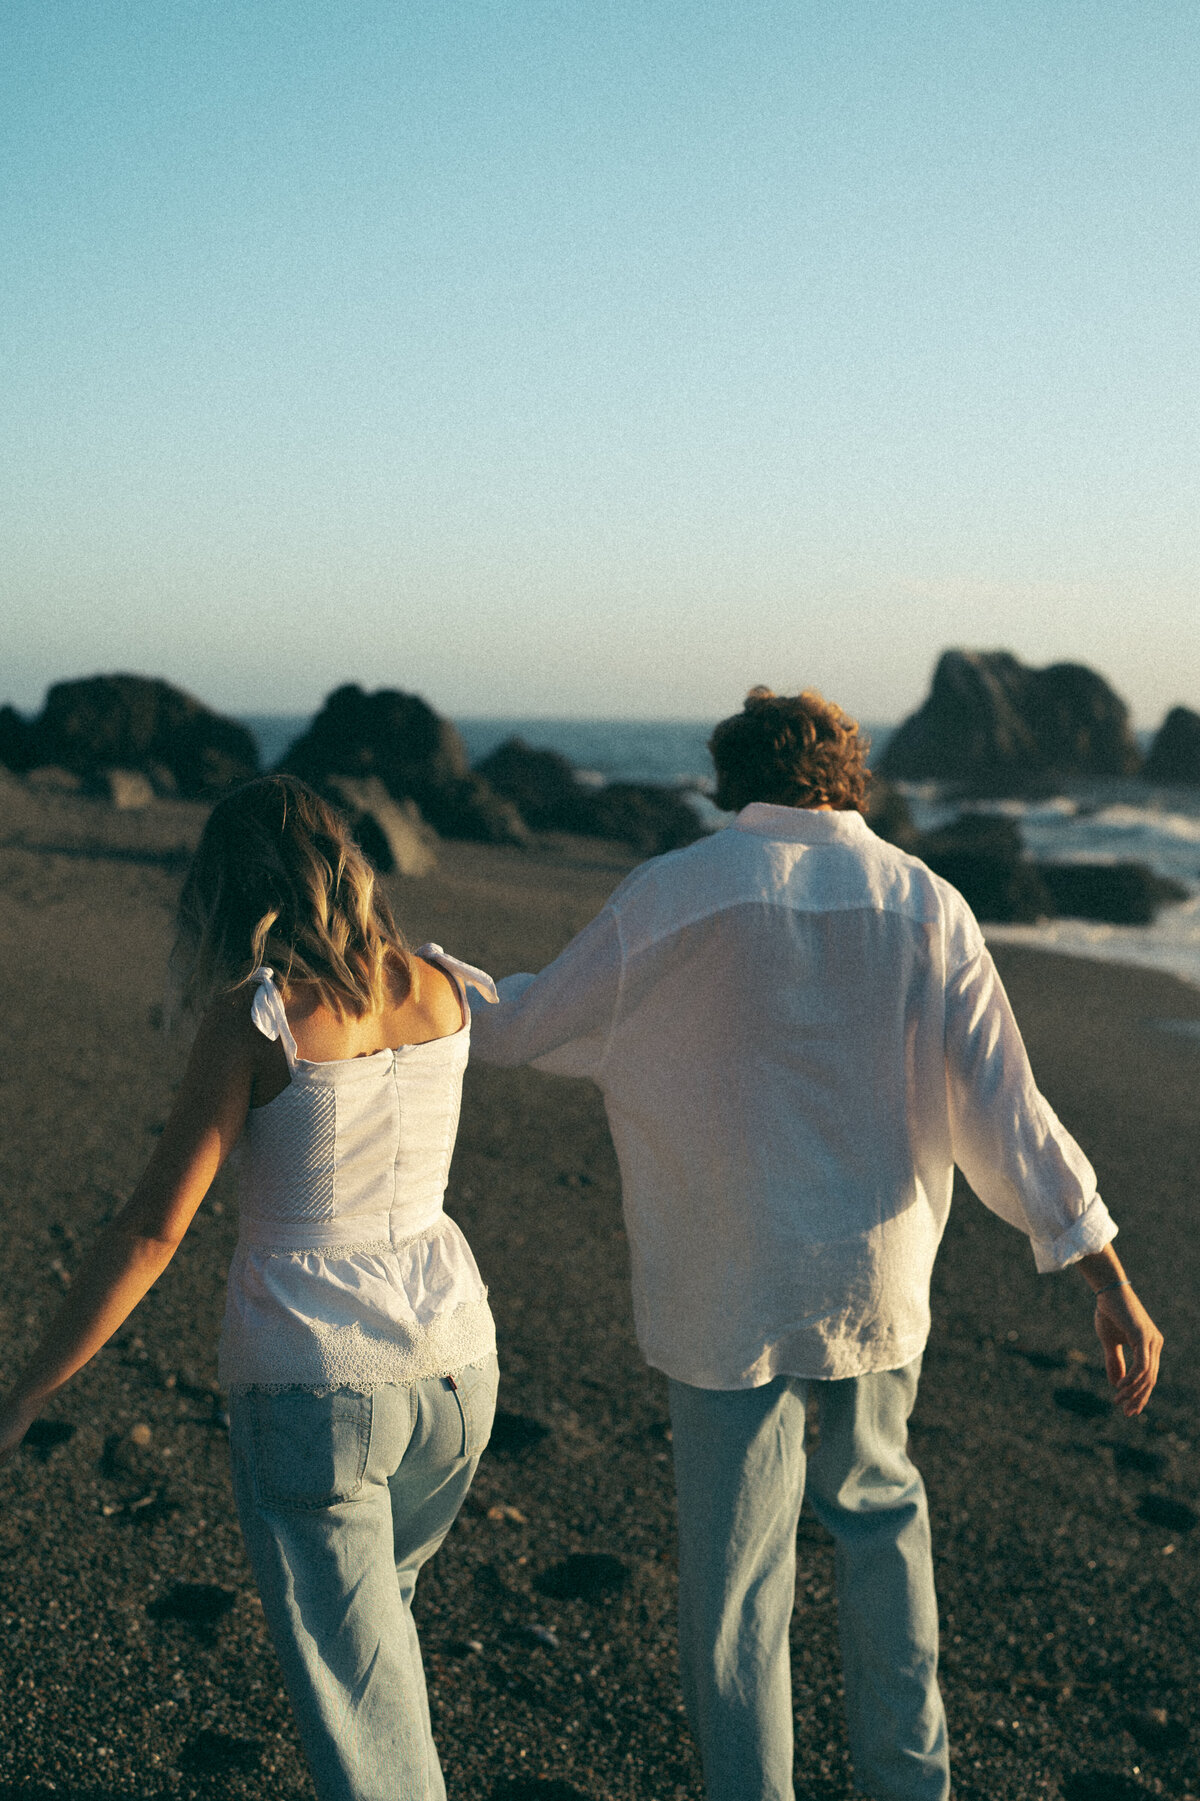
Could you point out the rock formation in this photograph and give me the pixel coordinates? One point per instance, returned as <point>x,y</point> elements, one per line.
<point>650,818</point>
<point>16,741</point>
<point>981,855</point>
<point>415,753</point>
<point>138,723</point>
<point>992,725</point>
<point>543,784</point>
<point>1174,756</point>
<point>1125,894</point>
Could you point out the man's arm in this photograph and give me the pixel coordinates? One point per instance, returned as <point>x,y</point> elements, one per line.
<point>559,1020</point>
<point>1024,1165</point>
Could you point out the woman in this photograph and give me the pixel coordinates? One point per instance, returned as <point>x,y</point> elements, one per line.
<point>357,1346</point>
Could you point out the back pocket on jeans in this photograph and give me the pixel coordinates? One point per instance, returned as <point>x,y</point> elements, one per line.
<point>309,1450</point>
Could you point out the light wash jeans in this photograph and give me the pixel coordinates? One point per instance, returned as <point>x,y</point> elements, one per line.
<point>342,1498</point>
<point>740,1469</point>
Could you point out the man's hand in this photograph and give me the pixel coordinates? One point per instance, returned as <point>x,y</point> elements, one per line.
<point>1132,1346</point>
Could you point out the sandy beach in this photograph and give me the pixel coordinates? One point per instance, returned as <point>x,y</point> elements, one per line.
<point>135,1661</point>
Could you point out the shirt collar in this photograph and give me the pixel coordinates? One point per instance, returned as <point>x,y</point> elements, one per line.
<point>803,825</point>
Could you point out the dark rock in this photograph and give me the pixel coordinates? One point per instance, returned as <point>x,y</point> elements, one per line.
<point>1174,756</point>
<point>1161,1510</point>
<point>196,1603</point>
<point>1083,1405</point>
<point>392,832</point>
<point>17,748</point>
<point>584,1576</point>
<point>889,816</point>
<point>414,752</point>
<point>551,798</point>
<point>515,1433</point>
<point>992,725</point>
<point>541,784</point>
<point>1118,893</point>
<point>980,854</point>
<point>211,1752</point>
<point>45,1436</point>
<point>649,818</point>
<point>135,722</point>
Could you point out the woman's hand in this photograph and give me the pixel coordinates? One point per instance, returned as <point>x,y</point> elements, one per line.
<point>1132,1345</point>
<point>15,1420</point>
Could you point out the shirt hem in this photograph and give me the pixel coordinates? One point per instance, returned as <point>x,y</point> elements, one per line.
<point>897,1357</point>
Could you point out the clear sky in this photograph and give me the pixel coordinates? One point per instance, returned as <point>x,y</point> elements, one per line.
<point>598,357</point>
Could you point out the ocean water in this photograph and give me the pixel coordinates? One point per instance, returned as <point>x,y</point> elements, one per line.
<point>1097,822</point>
<point>672,751</point>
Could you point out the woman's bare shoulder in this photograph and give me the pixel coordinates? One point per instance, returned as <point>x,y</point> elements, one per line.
<point>436,994</point>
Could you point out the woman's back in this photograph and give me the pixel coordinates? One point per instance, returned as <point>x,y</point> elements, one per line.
<point>348,1272</point>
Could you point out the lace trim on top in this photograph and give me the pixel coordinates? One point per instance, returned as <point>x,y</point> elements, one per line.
<point>346,1357</point>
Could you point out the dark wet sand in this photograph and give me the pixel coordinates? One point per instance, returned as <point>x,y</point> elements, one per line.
<point>1065,1536</point>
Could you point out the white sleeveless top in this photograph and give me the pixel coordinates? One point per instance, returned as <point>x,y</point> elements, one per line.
<point>347,1272</point>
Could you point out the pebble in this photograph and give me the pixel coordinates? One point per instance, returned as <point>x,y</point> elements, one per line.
<point>544,1636</point>
<point>502,1511</point>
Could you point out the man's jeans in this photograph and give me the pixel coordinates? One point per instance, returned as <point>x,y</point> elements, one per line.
<point>342,1498</point>
<point>740,1470</point>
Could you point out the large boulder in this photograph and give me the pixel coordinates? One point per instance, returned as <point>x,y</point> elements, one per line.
<point>135,722</point>
<point>1123,894</point>
<point>414,752</point>
<point>544,785</point>
<point>889,816</point>
<point>981,855</point>
<point>18,751</point>
<point>650,818</point>
<point>992,725</point>
<point>1174,756</point>
<point>541,784</point>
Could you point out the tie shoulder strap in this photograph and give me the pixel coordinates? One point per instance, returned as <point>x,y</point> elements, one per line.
<point>269,1014</point>
<point>464,973</point>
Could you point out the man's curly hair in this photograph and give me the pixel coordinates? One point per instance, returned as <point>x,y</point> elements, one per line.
<point>791,750</point>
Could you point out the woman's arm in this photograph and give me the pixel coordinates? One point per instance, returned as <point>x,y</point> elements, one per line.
<point>136,1246</point>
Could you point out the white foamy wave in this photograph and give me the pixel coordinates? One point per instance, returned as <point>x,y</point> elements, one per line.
<point>1171,945</point>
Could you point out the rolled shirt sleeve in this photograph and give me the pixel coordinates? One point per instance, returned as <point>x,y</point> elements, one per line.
<point>560,1020</point>
<point>1017,1155</point>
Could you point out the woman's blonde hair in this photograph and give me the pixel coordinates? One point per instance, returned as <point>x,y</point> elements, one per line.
<point>278,879</point>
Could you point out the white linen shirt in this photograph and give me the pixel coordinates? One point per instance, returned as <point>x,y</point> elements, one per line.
<point>798,1032</point>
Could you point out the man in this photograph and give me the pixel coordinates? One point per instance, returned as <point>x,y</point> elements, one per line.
<point>798,1032</point>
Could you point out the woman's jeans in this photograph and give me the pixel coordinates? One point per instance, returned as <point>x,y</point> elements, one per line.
<point>740,1471</point>
<point>342,1498</point>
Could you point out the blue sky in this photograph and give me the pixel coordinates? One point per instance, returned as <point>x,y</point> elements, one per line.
<point>598,358</point>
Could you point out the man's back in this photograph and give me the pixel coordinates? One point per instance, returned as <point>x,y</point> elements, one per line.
<point>797,1030</point>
